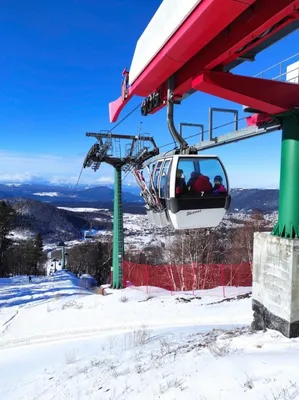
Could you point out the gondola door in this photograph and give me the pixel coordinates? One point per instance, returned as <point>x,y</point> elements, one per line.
<point>199,192</point>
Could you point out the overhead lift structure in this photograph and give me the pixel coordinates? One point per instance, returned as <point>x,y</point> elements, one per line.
<point>199,42</point>
<point>193,46</point>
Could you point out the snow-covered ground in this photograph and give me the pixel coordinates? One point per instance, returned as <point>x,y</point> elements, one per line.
<point>138,232</point>
<point>61,341</point>
<point>83,209</point>
<point>21,234</point>
<point>50,194</point>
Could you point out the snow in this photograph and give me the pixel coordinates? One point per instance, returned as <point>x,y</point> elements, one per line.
<point>137,229</point>
<point>21,234</point>
<point>18,291</point>
<point>61,341</point>
<point>166,21</point>
<point>50,194</point>
<point>139,232</point>
<point>83,209</point>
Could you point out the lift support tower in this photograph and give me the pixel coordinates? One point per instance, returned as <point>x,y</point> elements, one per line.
<point>108,150</point>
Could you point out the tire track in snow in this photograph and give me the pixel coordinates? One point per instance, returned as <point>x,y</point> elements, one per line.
<point>59,336</point>
<point>7,323</point>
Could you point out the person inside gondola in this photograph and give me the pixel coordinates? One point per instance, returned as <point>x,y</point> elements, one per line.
<point>218,187</point>
<point>180,183</point>
<point>191,181</point>
<point>202,184</point>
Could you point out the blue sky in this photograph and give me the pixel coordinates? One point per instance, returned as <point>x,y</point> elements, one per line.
<point>61,64</point>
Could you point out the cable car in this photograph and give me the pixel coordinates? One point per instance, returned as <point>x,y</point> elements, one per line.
<point>89,234</point>
<point>193,191</point>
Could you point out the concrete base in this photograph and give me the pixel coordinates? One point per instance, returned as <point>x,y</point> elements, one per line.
<point>275,288</point>
<point>263,319</point>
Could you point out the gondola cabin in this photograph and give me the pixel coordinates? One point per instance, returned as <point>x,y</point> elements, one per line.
<point>193,191</point>
<point>89,234</point>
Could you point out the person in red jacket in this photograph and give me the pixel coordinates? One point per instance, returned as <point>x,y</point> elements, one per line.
<point>202,184</point>
<point>192,180</point>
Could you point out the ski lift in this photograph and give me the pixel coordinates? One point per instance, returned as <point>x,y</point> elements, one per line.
<point>89,234</point>
<point>187,191</point>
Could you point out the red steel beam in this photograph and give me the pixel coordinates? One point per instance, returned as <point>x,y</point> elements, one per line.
<point>201,27</point>
<point>259,119</point>
<point>208,19</point>
<point>269,96</point>
<point>224,48</point>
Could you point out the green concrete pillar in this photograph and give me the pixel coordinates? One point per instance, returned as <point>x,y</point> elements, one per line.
<point>118,240</point>
<point>288,209</point>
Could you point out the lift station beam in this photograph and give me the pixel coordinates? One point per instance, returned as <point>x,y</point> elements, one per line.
<point>230,38</point>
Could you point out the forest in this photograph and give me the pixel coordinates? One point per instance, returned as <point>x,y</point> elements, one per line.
<point>206,246</point>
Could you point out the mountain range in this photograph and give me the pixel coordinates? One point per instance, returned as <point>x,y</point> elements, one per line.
<point>247,200</point>
<point>37,204</point>
<point>244,200</point>
<point>67,196</point>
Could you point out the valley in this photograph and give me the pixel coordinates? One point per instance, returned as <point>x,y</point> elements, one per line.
<point>62,215</point>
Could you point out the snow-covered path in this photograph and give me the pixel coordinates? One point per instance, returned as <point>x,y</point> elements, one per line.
<point>73,344</point>
<point>67,310</point>
<point>18,291</point>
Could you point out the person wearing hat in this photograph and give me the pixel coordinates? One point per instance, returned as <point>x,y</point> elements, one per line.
<point>218,185</point>
<point>180,183</point>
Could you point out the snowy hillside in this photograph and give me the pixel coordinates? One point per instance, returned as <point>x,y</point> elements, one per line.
<point>128,345</point>
<point>65,223</point>
<point>138,232</point>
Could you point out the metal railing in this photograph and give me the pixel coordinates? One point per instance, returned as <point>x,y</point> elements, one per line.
<point>280,70</point>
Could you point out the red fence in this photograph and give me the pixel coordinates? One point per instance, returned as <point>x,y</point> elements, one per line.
<point>187,277</point>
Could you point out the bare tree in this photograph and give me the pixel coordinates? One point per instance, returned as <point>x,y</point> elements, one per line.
<point>94,258</point>
<point>26,257</point>
<point>241,243</point>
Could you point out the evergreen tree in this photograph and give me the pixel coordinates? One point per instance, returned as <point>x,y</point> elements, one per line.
<point>39,246</point>
<point>38,251</point>
<point>7,220</point>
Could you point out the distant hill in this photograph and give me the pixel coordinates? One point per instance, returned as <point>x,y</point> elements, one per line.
<point>64,195</point>
<point>54,224</point>
<point>58,224</point>
<point>246,200</point>
<point>105,194</point>
<point>265,200</point>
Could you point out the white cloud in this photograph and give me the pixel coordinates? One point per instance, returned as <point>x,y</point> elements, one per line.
<point>105,179</point>
<point>19,177</point>
<point>17,167</point>
<point>22,167</point>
